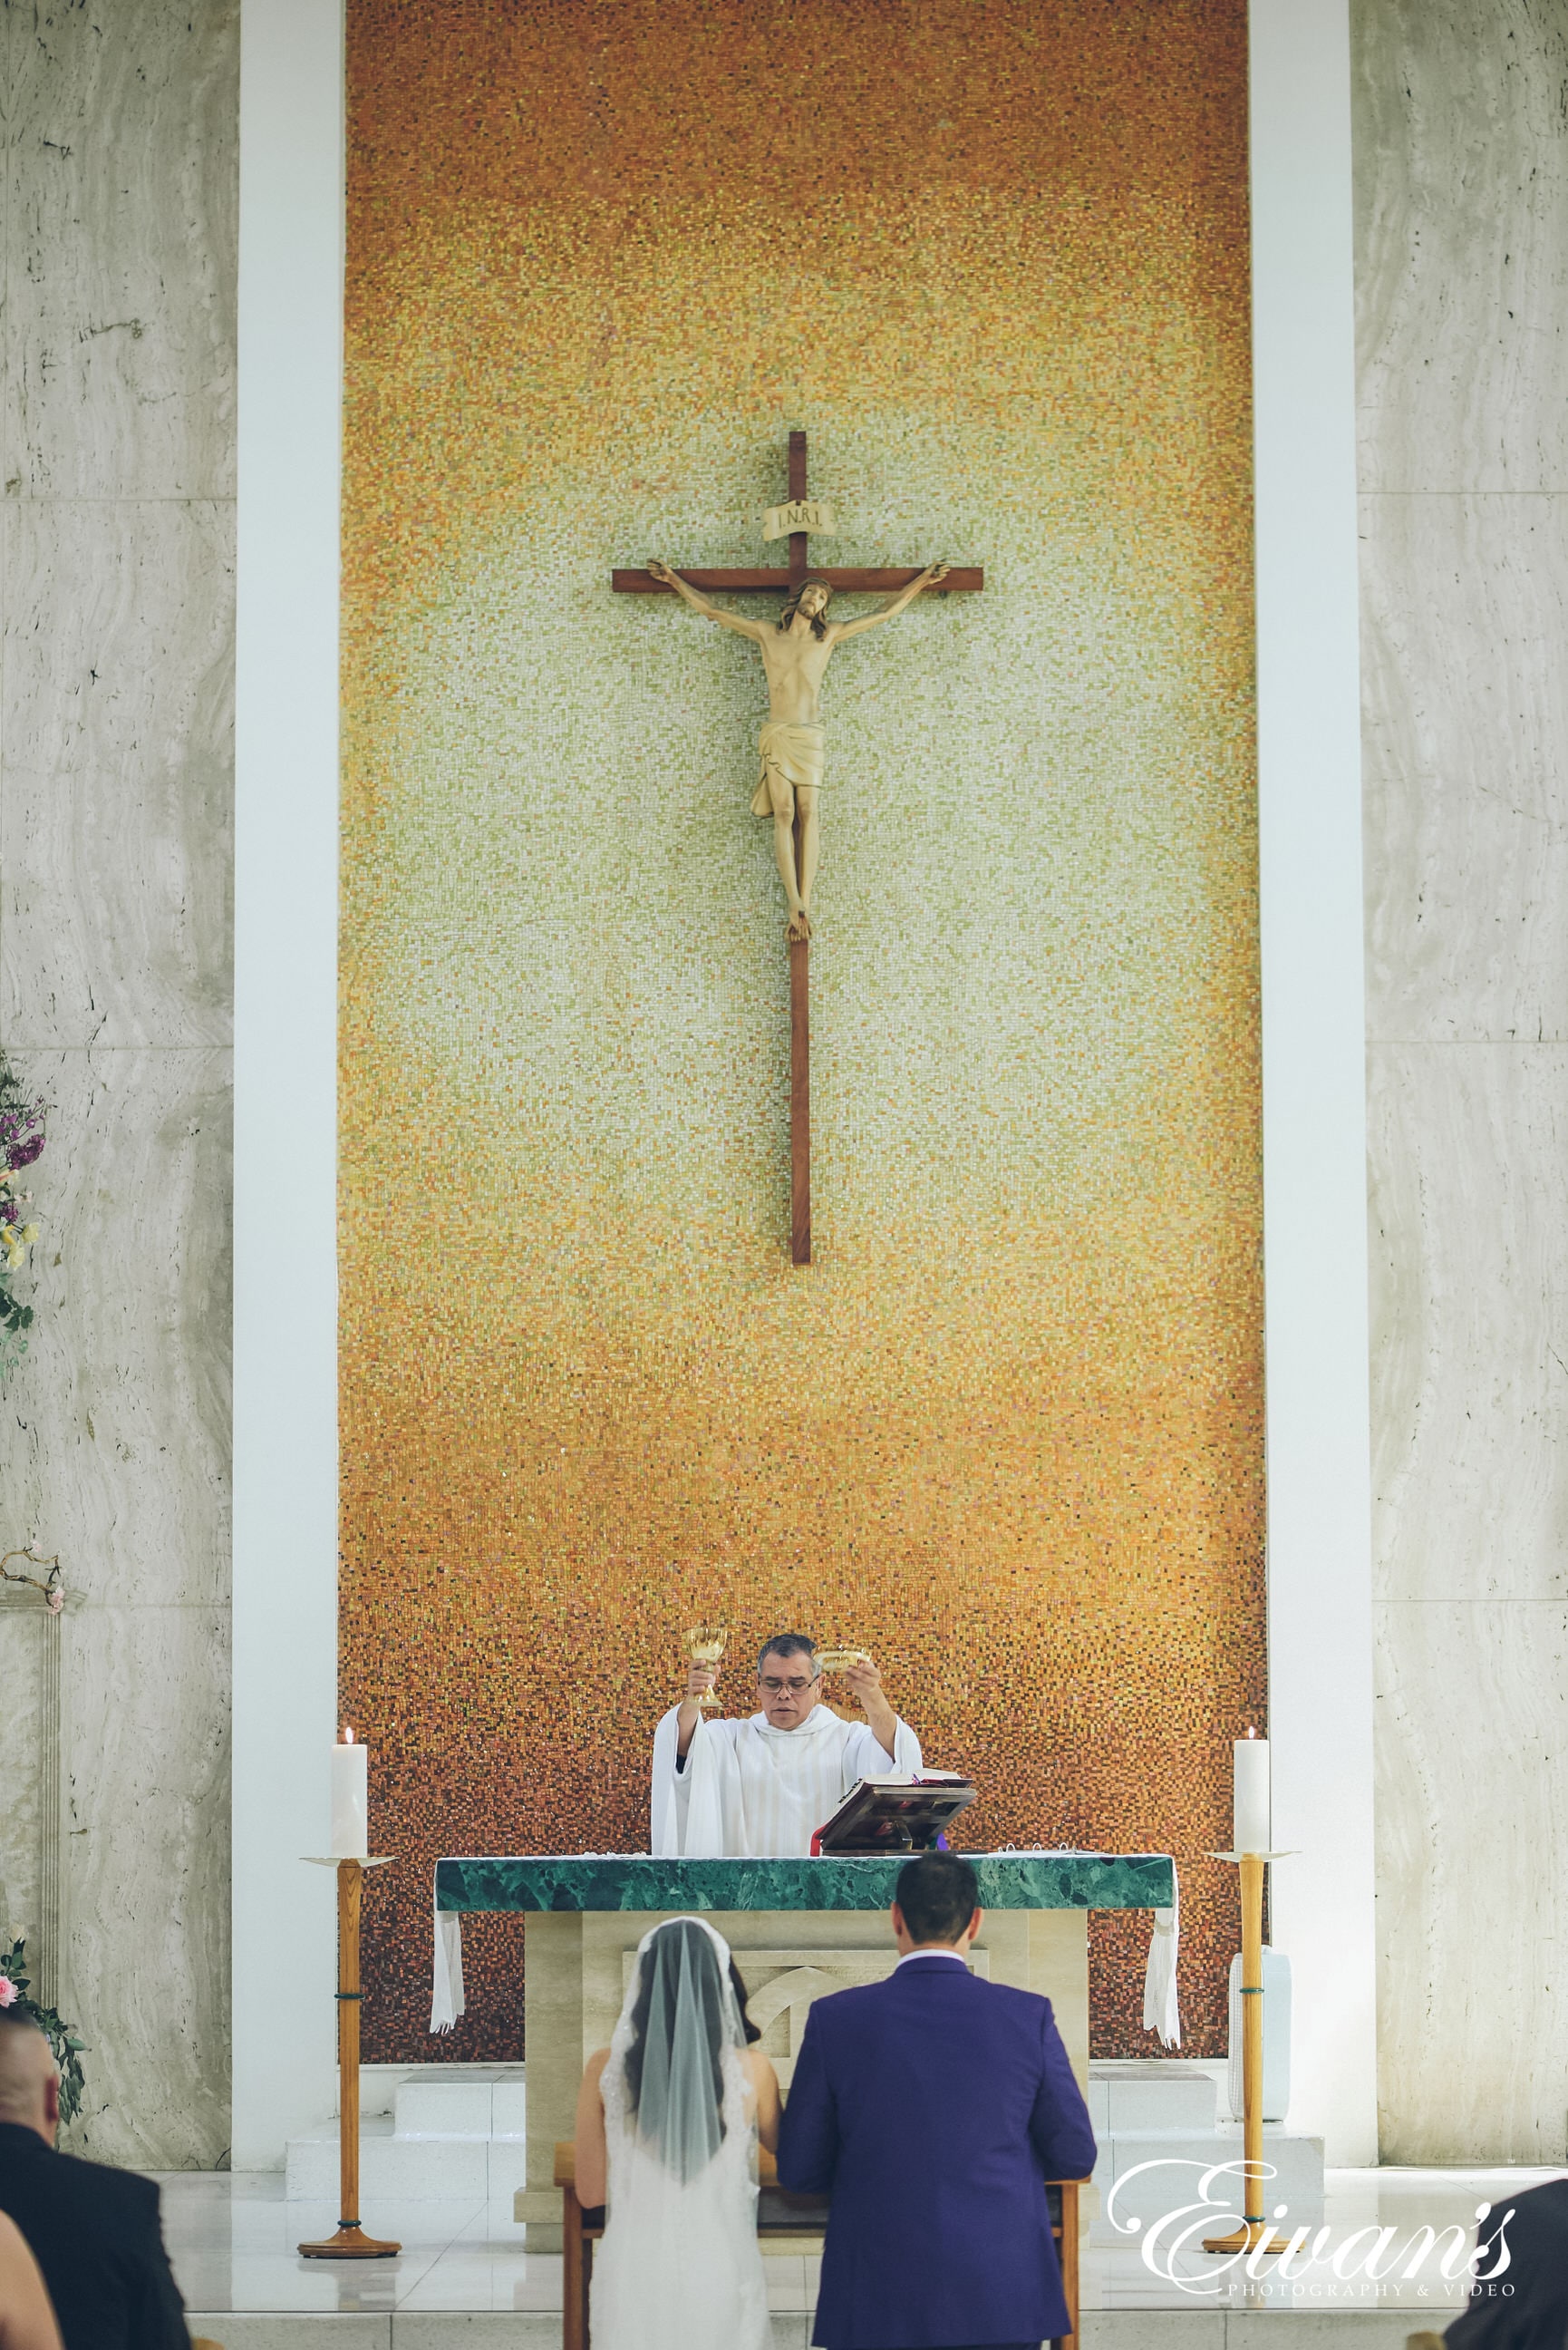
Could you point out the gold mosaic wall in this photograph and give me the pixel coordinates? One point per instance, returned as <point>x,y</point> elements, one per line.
<point>1006,1430</point>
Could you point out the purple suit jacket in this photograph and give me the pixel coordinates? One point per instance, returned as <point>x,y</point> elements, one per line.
<point>930,2107</point>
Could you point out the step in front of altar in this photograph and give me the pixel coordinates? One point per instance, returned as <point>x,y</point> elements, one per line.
<point>1100,2329</point>
<point>461,2278</point>
<point>1164,2111</point>
<point>454,2131</point>
<point>443,2133</point>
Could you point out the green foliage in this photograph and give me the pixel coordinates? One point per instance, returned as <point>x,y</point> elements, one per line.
<point>66,2047</point>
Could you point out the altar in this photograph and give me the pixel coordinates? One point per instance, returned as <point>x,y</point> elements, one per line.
<point>799,1929</point>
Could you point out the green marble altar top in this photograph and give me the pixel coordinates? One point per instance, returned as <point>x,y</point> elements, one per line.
<point>1008,1880</point>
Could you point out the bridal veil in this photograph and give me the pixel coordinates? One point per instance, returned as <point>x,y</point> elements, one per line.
<point>678,2267</point>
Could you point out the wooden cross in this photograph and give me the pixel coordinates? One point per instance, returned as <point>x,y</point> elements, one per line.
<point>782,581</point>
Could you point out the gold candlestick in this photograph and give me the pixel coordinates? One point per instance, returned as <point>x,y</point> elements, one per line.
<point>705,1646</point>
<point>1254,2235</point>
<point>350,2242</point>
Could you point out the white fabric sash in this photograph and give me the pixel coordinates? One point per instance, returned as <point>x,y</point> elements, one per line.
<point>1160,2010</point>
<point>446,1980</point>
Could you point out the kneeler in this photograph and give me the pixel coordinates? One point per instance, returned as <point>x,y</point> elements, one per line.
<point>778,2214</point>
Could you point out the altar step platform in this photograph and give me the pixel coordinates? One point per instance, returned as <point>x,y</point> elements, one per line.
<point>444,2153</point>
<point>458,2133</point>
<point>451,2134</point>
<point>1166,2111</point>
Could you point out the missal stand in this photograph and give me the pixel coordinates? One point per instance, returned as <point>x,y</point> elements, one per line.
<point>894,1816</point>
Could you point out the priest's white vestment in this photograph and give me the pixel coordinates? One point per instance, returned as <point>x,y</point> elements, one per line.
<point>749,1790</point>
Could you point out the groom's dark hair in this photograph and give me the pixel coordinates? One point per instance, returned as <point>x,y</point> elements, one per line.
<point>939,1894</point>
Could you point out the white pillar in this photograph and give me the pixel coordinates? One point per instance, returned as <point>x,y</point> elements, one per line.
<point>1314,1118</point>
<point>285,952</point>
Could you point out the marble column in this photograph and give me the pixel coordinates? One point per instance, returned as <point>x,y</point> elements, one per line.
<point>1461,164</point>
<point>115,546</point>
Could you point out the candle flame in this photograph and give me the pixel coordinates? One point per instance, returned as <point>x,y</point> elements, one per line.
<point>1250,1732</point>
<point>348,1737</point>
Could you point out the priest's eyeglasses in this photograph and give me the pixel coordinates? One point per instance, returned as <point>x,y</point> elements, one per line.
<point>777,1689</point>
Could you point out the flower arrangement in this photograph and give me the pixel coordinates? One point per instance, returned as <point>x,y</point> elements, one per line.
<point>53,1586</point>
<point>13,1994</point>
<point>21,1141</point>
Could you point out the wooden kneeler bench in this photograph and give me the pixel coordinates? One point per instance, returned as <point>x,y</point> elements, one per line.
<point>778,2215</point>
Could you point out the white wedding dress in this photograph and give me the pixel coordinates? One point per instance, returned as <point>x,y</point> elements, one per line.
<point>678,2267</point>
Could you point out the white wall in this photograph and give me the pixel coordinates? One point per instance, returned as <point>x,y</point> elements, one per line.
<point>285,1320</point>
<point>116,746</point>
<point>1462,191</point>
<point>1314,1205</point>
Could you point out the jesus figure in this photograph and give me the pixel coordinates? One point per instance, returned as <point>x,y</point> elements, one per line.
<point>763,1786</point>
<point>795,653</point>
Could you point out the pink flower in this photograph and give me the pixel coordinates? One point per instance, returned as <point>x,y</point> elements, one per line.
<point>7,1991</point>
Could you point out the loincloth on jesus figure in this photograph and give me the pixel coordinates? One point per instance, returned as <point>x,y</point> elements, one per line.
<point>792,758</point>
<point>761,1787</point>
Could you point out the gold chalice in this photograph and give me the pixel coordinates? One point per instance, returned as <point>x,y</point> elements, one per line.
<point>705,1646</point>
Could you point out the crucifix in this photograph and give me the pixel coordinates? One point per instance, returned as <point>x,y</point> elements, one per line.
<point>795,653</point>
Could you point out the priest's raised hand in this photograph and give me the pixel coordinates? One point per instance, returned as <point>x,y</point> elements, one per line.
<point>765,1785</point>
<point>865,1682</point>
<point>700,1681</point>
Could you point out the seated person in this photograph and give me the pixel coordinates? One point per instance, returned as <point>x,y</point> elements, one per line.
<point>95,2233</point>
<point>1531,2313</point>
<point>26,2320</point>
<point>668,2121</point>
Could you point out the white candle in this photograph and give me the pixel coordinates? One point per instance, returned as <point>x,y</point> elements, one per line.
<point>350,1800</point>
<point>1252,1789</point>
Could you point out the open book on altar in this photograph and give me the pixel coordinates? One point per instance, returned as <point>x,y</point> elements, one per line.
<point>898,1815</point>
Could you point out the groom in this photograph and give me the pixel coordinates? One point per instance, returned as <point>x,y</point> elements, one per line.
<point>931,2107</point>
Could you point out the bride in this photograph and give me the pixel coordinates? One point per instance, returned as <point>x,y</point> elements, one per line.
<point>668,2124</point>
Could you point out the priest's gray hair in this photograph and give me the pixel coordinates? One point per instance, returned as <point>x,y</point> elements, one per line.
<point>789,1643</point>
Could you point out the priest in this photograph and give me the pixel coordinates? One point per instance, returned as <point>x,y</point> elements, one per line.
<point>765,1785</point>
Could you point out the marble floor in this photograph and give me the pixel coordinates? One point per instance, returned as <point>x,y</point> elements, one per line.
<point>232,2238</point>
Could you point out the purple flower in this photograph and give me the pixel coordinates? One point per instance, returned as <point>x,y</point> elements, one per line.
<point>22,1154</point>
